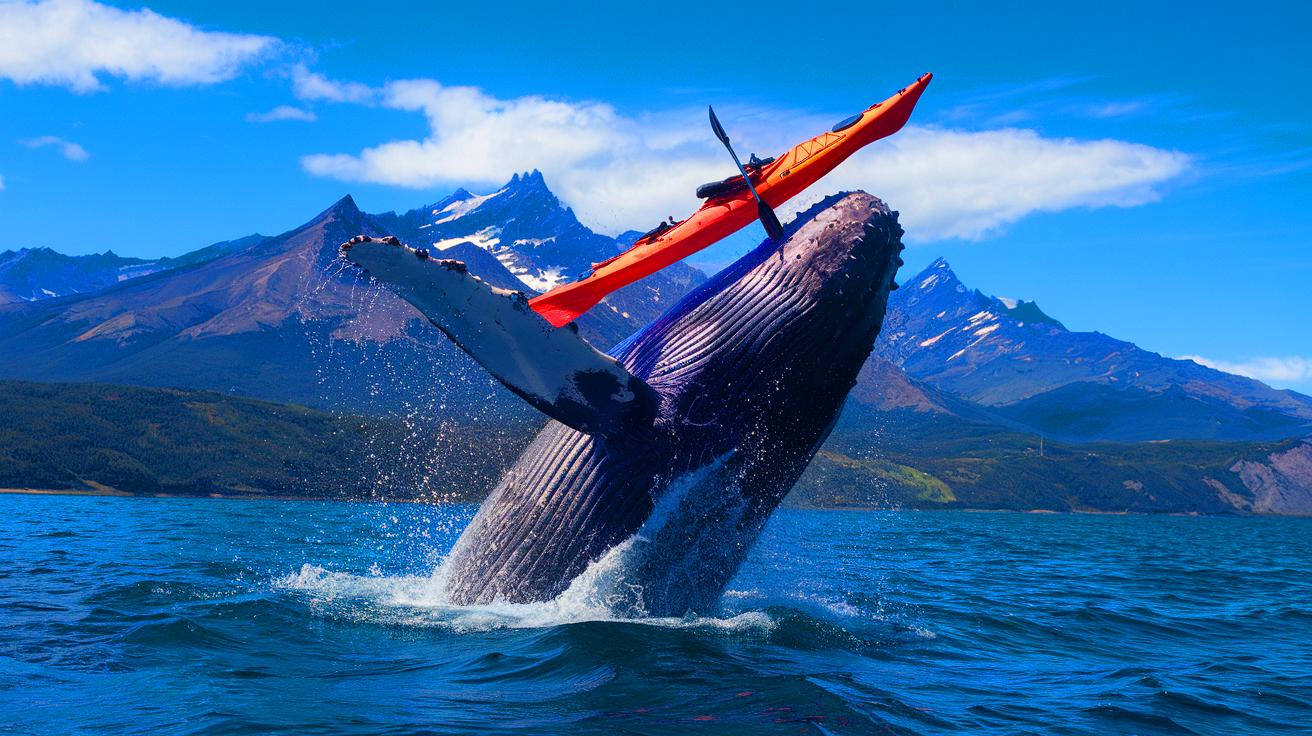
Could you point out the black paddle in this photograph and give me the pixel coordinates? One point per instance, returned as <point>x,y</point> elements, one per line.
<point>771,222</point>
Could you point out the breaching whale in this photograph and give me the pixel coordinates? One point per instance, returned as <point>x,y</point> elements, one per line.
<point>674,447</point>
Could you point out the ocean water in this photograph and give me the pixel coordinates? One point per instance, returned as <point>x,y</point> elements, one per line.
<point>229,617</point>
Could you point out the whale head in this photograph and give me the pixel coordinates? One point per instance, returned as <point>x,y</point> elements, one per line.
<point>777,339</point>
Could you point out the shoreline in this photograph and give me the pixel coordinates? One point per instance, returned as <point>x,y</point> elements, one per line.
<point>109,492</point>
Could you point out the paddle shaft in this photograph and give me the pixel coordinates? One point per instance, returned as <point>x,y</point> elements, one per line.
<point>768,218</point>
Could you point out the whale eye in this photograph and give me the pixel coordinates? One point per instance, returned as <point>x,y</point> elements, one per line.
<point>848,122</point>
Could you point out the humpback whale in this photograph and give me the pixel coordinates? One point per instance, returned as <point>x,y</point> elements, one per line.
<point>674,447</point>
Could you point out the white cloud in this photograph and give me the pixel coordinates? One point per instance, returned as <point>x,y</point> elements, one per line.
<point>308,85</point>
<point>67,149</point>
<point>282,112</point>
<point>621,171</point>
<point>73,43</point>
<point>1274,370</point>
<point>970,185</point>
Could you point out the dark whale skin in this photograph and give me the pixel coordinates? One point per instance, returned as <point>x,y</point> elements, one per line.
<point>752,369</point>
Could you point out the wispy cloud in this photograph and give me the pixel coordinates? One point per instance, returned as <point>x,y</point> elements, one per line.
<point>2,183</point>
<point>1278,371</point>
<point>74,43</point>
<point>67,149</point>
<point>1115,108</point>
<point>1252,164</point>
<point>1046,99</point>
<point>620,171</point>
<point>282,112</point>
<point>309,86</point>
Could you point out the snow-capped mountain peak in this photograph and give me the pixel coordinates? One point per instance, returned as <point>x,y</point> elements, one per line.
<point>529,231</point>
<point>937,275</point>
<point>533,239</point>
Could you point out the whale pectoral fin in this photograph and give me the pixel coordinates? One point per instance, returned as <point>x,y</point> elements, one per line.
<point>555,370</point>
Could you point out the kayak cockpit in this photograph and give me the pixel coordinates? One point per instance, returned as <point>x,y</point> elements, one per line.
<point>735,183</point>
<point>656,231</point>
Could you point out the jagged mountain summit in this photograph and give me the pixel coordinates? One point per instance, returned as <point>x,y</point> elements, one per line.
<point>1022,364</point>
<point>538,240</point>
<point>30,274</point>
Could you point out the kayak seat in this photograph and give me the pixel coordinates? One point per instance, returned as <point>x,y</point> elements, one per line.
<point>733,184</point>
<point>713,189</point>
<point>653,232</point>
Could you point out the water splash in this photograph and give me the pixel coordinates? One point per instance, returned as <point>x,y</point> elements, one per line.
<point>430,423</point>
<point>612,588</point>
<point>420,601</point>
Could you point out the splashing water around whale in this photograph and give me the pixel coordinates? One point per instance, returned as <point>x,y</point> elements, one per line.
<point>609,589</point>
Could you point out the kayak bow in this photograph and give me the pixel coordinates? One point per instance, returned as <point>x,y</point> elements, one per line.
<point>776,182</point>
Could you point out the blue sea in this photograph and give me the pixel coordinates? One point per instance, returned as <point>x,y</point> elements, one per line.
<point>169,616</point>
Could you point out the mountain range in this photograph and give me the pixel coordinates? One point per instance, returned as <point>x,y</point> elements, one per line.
<point>279,318</point>
<point>32,274</point>
<point>1026,368</point>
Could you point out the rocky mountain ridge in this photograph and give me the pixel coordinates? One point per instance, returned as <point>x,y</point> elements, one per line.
<point>1021,364</point>
<point>33,274</point>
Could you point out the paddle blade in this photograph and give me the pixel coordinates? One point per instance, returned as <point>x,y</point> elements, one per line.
<point>719,129</point>
<point>773,227</point>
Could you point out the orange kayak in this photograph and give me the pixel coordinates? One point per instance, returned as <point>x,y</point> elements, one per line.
<point>723,214</point>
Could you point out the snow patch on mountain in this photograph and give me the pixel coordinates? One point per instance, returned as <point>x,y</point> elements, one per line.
<point>462,207</point>
<point>936,338</point>
<point>486,239</point>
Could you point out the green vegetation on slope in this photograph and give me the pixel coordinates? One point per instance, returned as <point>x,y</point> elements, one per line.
<point>905,459</point>
<point>152,441</point>
<point>149,441</point>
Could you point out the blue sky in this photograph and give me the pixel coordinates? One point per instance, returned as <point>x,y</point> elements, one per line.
<point>1141,171</point>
